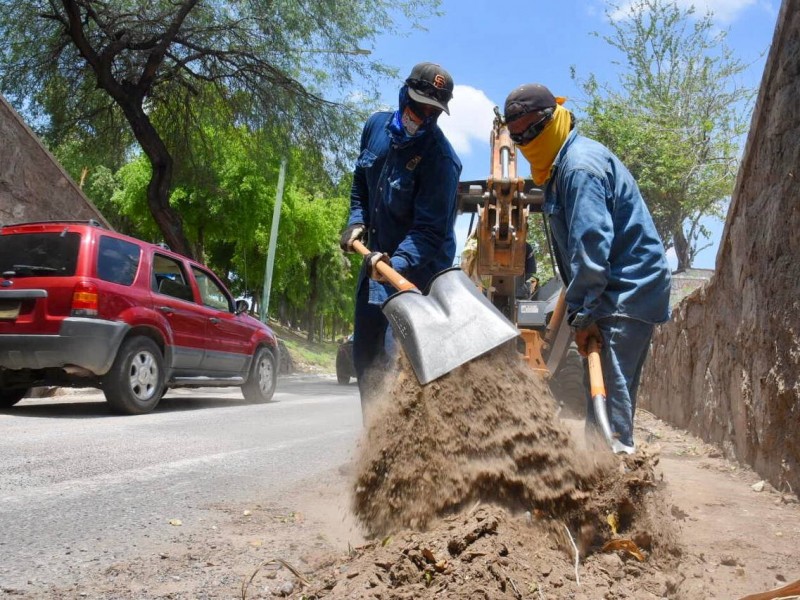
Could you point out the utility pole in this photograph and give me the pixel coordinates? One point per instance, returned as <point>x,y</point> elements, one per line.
<point>273,239</point>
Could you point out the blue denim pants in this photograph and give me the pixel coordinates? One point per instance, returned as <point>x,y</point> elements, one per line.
<point>374,346</point>
<point>625,345</point>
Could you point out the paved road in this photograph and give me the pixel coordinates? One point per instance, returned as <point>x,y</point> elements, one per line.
<point>78,484</point>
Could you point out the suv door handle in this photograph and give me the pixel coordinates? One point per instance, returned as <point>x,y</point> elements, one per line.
<point>214,320</point>
<point>166,309</point>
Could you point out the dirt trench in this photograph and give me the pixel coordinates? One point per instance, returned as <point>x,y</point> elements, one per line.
<point>707,528</point>
<point>472,487</point>
<point>727,368</point>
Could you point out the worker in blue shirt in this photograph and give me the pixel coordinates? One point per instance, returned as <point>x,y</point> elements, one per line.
<point>608,251</point>
<point>403,205</point>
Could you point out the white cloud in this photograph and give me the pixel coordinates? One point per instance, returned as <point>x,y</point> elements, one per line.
<point>724,11</point>
<point>471,117</point>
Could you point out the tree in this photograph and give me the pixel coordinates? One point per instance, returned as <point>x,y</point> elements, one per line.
<point>677,118</point>
<point>227,201</point>
<point>262,62</point>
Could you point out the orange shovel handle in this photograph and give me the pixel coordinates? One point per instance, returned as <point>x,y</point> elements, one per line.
<point>397,280</point>
<point>598,391</point>
<point>596,384</point>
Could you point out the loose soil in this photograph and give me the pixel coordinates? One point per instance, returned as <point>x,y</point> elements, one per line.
<point>472,487</point>
<point>487,431</point>
<point>496,499</point>
<point>484,499</point>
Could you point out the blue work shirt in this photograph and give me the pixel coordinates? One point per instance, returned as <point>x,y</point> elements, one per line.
<point>607,248</point>
<point>406,198</point>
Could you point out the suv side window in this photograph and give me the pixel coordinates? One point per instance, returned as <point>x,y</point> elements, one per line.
<point>169,278</point>
<point>212,294</point>
<point>117,260</point>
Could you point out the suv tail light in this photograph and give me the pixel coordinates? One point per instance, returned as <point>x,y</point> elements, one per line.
<point>84,300</point>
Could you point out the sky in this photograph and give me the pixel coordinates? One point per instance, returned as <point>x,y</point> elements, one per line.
<point>491,47</point>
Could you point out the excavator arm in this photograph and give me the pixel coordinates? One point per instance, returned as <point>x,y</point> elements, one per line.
<point>503,202</point>
<point>503,224</point>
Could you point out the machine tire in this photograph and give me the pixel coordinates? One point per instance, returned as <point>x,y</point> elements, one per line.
<point>135,382</point>
<point>9,398</point>
<point>260,385</point>
<point>342,372</point>
<point>568,384</point>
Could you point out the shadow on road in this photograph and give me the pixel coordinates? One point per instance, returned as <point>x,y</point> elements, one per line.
<point>57,408</point>
<point>187,403</point>
<point>91,404</point>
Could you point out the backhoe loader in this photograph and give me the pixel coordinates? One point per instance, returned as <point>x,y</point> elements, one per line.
<point>495,259</point>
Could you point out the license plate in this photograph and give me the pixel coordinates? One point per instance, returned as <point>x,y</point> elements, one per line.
<point>9,309</point>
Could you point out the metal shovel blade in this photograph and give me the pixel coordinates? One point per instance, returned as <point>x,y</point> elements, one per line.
<point>447,326</point>
<point>598,392</point>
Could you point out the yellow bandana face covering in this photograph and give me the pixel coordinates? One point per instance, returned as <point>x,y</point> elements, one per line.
<point>542,150</point>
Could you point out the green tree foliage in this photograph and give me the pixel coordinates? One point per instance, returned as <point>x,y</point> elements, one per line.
<point>320,281</point>
<point>539,241</point>
<point>677,117</point>
<point>89,66</point>
<point>227,201</point>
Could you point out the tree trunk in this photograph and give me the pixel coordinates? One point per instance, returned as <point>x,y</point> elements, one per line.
<point>313,299</point>
<point>199,252</point>
<point>282,313</point>
<point>167,219</point>
<point>681,245</point>
<point>130,97</point>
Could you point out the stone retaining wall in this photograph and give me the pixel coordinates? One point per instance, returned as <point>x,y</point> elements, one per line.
<point>33,186</point>
<point>727,367</point>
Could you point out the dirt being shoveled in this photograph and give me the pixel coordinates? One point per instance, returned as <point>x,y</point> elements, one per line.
<point>486,431</point>
<point>492,498</point>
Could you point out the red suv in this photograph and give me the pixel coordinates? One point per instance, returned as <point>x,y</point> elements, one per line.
<point>83,306</point>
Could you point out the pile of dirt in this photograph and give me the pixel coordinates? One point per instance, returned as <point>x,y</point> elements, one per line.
<point>489,554</point>
<point>494,499</point>
<point>486,431</point>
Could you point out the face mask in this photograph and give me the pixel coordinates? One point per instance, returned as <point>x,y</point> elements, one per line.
<point>542,150</point>
<point>411,122</point>
<point>406,124</point>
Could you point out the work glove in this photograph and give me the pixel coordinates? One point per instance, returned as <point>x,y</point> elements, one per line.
<point>371,260</point>
<point>350,235</point>
<point>582,337</point>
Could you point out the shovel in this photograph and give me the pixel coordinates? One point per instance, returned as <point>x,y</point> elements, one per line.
<point>448,325</point>
<point>597,388</point>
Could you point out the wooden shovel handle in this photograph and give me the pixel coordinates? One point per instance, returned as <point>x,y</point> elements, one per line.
<point>788,591</point>
<point>397,280</point>
<point>596,384</point>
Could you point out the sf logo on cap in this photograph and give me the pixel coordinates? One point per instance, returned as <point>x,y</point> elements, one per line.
<point>438,81</point>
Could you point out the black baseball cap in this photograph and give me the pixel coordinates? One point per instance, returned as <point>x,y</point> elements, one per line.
<point>430,84</point>
<point>529,98</point>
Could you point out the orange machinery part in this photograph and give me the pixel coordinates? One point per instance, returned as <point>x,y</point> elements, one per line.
<point>503,227</point>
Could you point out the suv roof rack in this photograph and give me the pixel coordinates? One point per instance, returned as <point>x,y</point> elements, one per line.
<point>92,222</point>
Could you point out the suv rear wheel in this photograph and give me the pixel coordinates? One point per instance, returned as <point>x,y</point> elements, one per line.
<point>260,384</point>
<point>135,382</point>
<point>9,398</point>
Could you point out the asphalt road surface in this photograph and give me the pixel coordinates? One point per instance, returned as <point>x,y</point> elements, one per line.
<point>81,486</point>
